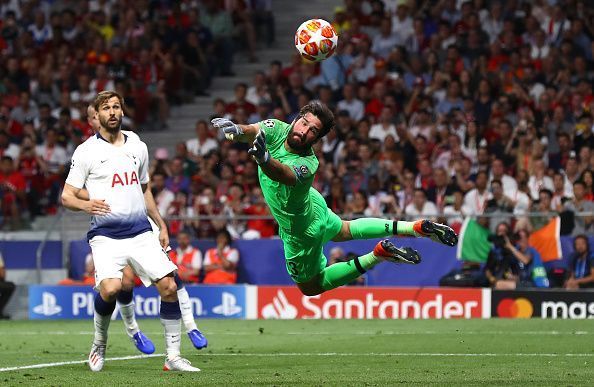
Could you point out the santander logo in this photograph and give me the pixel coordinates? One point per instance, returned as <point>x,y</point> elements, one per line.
<point>367,303</point>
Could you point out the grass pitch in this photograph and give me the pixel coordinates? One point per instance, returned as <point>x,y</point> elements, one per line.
<point>314,352</point>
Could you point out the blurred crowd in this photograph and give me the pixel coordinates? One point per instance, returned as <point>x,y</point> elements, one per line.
<point>444,108</point>
<point>55,56</point>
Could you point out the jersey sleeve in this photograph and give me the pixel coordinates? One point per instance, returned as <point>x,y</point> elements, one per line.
<point>79,169</point>
<point>144,164</point>
<point>304,168</point>
<point>275,131</point>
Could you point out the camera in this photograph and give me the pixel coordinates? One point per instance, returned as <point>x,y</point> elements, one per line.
<point>497,240</point>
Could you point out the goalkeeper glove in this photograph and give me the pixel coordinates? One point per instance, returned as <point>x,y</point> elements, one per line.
<point>230,129</point>
<point>258,149</point>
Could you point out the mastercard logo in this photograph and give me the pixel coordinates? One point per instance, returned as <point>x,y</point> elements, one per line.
<point>515,308</point>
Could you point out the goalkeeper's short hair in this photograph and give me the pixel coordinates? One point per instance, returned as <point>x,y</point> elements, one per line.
<point>322,112</point>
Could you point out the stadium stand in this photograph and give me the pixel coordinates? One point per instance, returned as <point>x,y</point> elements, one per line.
<point>428,94</point>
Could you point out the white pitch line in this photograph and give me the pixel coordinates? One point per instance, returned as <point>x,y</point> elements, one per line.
<point>358,333</point>
<point>63,363</point>
<point>324,354</point>
<point>406,354</point>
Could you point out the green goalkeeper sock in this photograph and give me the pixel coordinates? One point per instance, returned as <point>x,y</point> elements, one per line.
<point>344,272</point>
<point>368,228</point>
<point>405,228</point>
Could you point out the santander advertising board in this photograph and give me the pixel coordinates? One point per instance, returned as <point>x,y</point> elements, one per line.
<point>366,303</point>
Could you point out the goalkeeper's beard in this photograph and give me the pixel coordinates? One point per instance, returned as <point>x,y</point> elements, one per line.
<point>296,142</point>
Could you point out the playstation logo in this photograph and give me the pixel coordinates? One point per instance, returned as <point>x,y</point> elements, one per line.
<point>49,306</point>
<point>228,305</point>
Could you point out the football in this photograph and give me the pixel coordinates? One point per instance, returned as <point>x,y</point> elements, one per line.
<point>316,40</point>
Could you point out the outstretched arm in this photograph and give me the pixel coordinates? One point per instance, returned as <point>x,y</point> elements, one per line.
<point>235,132</point>
<point>280,172</point>
<point>274,169</point>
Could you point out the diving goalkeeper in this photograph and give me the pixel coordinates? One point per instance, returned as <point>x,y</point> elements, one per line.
<point>287,165</point>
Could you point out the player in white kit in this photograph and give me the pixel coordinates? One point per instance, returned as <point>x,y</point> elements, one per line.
<point>115,174</point>
<point>125,296</point>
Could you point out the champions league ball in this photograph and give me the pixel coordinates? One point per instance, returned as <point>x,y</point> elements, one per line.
<point>316,40</point>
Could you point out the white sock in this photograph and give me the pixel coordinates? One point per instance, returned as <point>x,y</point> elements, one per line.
<point>172,337</point>
<point>130,323</point>
<point>186,309</point>
<point>101,327</point>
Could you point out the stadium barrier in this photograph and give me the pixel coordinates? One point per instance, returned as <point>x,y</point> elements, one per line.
<point>262,261</point>
<point>287,302</point>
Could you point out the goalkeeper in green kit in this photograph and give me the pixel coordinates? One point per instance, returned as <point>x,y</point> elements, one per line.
<point>287,165</point>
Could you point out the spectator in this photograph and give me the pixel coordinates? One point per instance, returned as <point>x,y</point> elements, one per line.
<point>385,126</point>
<point>527,270</point>
<point>501,267</point>
<point>240,101</point>
<point>88,277</point>
<point>6,289</point>
<point>452,99</point>
<point>562,191</point>
<point>357,206</point>
<point>581,271</point>
<point>26,110</point>
<point>402,23</point>
<point>380,203</point>
<point>454,213</point>
<point>220,263</point>
<point>583,224</point>
<point>202,144</point>
<point>498,173</point>
<point>539,180</point>
<point>187,258</point>
<point>351,103</point>
<point>441,191</point>
<point>420,206</point>
<point>163,196</point>
<point>587,177</point>
<point>384,42</point>
<point>475,200</point>
<point>258,228</point>
<point>177,181</point>
<point>219,23</point>
<point>6,147</point>
<point>336,199</point>
<point>12,192</point>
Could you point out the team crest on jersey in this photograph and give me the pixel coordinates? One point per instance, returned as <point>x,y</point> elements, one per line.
<point>72,164</point>
<point>269,123</point>
<point>301,171</point>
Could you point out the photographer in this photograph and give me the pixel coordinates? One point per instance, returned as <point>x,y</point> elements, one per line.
<point>524,267</point>
<point>502,269</point>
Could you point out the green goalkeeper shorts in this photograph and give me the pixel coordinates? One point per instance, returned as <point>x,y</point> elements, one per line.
<point>304,253</point>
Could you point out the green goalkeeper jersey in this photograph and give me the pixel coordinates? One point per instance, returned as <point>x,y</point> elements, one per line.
<point>291,206</point>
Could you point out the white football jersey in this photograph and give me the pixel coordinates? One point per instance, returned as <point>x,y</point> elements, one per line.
<point>115,175</point>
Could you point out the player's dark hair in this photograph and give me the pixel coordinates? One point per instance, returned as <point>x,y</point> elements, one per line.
<point>322,112</point>
<point>106,95</point>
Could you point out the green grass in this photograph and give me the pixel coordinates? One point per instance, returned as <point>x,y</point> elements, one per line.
<point>314,352</point>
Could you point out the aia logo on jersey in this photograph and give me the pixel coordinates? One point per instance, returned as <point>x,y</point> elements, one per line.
<point>124,179</point>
